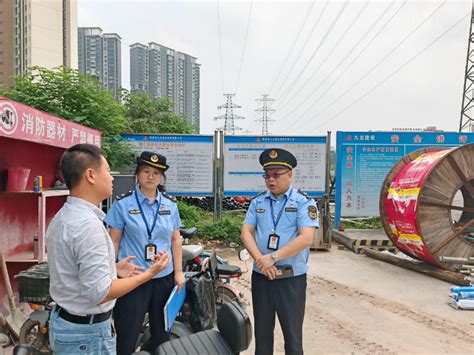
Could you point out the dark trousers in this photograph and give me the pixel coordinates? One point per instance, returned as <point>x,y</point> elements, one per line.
<point>286,298</point>
<point>130,310</point>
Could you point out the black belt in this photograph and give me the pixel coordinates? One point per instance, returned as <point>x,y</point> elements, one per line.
<point>88,319</point>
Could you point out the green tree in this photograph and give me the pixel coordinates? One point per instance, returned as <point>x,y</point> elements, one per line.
<point>65,93</point>
<point>147,115</point>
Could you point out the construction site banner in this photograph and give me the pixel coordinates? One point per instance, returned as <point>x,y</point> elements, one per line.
<point>365,158</point>
<point>243,172</point>
<point>189,158</point>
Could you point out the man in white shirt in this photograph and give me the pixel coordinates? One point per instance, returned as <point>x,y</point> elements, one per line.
<point>83,273</point>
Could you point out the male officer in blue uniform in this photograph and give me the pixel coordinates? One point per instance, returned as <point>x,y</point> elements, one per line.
<point>277,232</point>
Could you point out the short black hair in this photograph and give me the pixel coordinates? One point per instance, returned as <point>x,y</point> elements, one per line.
<point>77,159</point>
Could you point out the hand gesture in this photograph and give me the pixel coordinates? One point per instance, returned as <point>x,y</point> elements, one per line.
<point>159,262</point>
<point>126,269</point>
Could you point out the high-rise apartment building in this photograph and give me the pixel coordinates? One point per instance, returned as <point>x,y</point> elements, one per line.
<point>100,56</point>
<point>138,68</point>
<point>36,33</point>
<point>165,72</point>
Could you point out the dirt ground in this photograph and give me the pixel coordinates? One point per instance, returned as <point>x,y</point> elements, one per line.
<point>359,305</point>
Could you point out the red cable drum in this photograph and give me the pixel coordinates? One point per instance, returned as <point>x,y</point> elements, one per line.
<point>427,204</point>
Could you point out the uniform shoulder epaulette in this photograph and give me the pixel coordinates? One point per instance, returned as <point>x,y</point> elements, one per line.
<point>305,194</point>
<point>168,196</point>
<point>125,194</point>
<point>257,195</point>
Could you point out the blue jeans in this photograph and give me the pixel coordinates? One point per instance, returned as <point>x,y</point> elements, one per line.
<point>70,338</point>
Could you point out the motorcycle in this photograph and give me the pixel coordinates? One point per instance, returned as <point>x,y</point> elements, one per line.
<point>34,332</point>
<point>222,292</point>
<point>34,289</point>
<point>196,259</point>
<point>234,335</point>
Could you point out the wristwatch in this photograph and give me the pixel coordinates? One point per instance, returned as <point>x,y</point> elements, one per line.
<point>274,256</point>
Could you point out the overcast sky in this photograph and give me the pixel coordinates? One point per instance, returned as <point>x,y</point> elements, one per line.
<point>329,65</point>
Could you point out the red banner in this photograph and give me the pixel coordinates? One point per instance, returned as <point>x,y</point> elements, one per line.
<point>19,121</point>
<point>401,201</point>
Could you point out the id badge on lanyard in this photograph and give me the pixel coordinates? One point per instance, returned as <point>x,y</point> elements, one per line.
<point>150,251</point>
<point>274,239</point>
<point>150,248</point>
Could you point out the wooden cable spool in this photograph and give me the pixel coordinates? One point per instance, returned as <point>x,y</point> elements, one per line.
<point>427,204</point>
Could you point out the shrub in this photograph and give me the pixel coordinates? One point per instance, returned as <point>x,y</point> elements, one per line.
<point>365,223</point>
<point>228,229</point>
<point>190,215</point>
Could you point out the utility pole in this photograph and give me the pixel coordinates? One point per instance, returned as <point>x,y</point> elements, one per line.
<point>265,109</point>
<point>467,121</point>
<point>229,116</point>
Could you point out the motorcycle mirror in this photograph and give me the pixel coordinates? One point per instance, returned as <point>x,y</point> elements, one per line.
<point>244,255</point>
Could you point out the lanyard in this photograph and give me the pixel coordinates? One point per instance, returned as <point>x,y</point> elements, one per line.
<point>149,231</point>
<point>275,221</point>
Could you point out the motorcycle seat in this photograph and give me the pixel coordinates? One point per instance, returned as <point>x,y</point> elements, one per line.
<point>234,335</point>
<point>228,270</point>
<point>206,342</point>
<point>191,251</point>
<point>188,232</point>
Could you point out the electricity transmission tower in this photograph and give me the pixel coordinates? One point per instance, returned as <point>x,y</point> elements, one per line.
<point>467,121</point>
<point>229,116</point>
<point>265,110</point>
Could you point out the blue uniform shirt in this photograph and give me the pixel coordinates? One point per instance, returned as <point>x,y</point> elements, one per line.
<point>125,216</point>
<point>297,214</point>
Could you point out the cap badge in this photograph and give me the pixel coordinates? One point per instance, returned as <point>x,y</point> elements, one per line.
<point>273,154</point>
<point>154,158</point>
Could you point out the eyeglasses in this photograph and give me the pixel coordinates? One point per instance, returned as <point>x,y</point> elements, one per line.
<point>276,176</point>
<point>150,173</point>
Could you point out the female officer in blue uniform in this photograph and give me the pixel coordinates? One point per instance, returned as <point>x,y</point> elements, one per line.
<point>142,223</point>
<point>278,230</point>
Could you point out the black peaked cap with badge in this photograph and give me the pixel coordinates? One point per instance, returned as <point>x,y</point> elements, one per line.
<point>277,158</point>
<point>153,159</point>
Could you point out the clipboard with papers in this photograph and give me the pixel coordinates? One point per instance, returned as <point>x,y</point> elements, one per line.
<point>173,305</point>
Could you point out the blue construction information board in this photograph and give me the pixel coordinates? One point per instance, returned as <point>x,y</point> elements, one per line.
<point>365,158</point>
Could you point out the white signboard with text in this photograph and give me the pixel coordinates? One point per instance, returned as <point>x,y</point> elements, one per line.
<point>243,172</point>
<point>189,158</point>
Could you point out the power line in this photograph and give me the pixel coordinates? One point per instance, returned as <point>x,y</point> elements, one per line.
<point>385,57</point>
<point>243,49</point>
<point>220,44</point>
<point>304,45</point>
<point>277,76</point>
<point>341,11</point>
<point>337,42</point>
<point>347,54</point>
<point>394,73</point>
<point>349,65</point>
